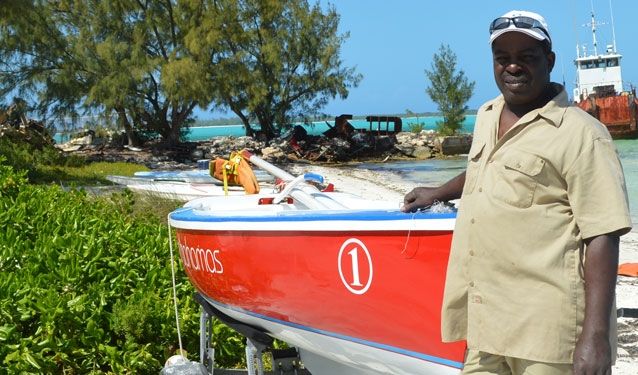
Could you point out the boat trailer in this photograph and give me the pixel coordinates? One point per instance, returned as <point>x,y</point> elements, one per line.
<point>258,344</point>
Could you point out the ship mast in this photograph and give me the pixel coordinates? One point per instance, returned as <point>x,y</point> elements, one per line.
<point>597,71</point>
<point>593,25</point>
<point>593,34</point>
<point>613,28</point>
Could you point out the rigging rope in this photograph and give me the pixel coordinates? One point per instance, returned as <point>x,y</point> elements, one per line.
<point>170,245</point>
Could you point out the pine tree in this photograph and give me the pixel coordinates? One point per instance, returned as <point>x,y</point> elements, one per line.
<point>449,90</point>
<point>276,60</point>
<point>150,63</point>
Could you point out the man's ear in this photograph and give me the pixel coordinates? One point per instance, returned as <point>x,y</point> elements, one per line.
<point>551,60</point>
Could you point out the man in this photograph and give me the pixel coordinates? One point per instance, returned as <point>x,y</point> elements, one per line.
<point>532,271</point>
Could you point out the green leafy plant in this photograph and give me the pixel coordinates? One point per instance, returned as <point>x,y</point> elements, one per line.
<point>417,128</point>
<point>85,286</point>
<point>10,181</point>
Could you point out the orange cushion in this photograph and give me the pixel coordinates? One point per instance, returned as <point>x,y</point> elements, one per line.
<point>628,269</point>
<point>237,172</point>
<point>217,171</point>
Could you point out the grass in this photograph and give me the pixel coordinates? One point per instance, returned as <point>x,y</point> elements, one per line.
<point>83,175</point>
<point>138,206</point>
<point>144,207</point>
<point>47,165</point>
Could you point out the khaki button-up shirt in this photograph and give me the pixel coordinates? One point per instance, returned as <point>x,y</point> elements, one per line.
<point>514,281</point>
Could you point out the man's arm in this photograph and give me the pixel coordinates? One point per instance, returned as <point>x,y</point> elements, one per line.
<point>424,196</point>
<point>592,354</point>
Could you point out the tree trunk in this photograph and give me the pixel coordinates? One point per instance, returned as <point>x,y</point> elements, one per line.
<point>173,134</point>
<point>267,125</point>
<point>123,122</point>
<point>249,131</point>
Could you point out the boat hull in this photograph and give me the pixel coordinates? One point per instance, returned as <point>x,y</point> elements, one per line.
<point>195,176</point>
<point>618,113</point>
<point>183,191</point>
<point>360,289</point>
<point>330,353</point>
<point>183,185</point>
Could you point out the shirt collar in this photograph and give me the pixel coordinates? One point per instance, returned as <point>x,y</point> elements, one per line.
<point>553,111</point>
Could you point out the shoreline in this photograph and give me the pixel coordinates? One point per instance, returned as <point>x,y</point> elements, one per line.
<point>390,187</point>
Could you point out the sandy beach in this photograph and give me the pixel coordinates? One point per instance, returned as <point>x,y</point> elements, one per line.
<point>388,186</point>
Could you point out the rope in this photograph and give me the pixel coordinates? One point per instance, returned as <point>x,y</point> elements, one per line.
<point>231,169</point>
<point>170,244</point>
<point>435,207</point>
<point>225,178</point>
<point>407,238</point>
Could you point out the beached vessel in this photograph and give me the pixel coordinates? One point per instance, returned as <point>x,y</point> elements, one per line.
<point>183,191</point>
<point>194,176</point>
<point>600,90</point>
<point>354,285</point>
<point>179,190</point>
<point>201,175</point>
<point>185,185</point>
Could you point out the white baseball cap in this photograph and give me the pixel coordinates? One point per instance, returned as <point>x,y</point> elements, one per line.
<point>529,23</point>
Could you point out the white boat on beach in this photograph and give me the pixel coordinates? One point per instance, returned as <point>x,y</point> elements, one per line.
<point>185,185</point>
<point>185,191</point>
<point>195,176</point>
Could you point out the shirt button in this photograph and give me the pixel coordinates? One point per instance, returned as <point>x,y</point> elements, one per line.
<point>472,221</point>
<point>472,253</point>
<point>472,283</point>
<point>480,190</point>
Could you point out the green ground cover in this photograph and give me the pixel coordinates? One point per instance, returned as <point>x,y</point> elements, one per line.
<point>85,281</point>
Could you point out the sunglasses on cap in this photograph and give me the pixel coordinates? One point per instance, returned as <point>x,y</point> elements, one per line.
<point>520,22</point>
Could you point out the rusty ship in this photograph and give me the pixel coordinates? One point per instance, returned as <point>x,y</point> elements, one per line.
<point>599,87</point>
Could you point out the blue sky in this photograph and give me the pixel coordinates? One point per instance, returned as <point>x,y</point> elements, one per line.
<point>392,42</point>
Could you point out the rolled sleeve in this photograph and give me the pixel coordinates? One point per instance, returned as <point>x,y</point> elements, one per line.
<point>597,192</point>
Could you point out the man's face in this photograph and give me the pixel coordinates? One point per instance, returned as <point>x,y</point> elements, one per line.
<point>521,67</point>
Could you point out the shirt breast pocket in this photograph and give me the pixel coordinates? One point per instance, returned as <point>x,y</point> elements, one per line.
<point>518,179</point>
<point>473,166</point>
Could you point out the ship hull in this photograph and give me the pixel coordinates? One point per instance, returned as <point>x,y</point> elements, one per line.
<point>617,113</point>
<point>359,289</point>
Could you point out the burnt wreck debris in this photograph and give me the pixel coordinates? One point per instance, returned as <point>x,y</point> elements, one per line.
<point>383,139</point>
<point>14,125</point>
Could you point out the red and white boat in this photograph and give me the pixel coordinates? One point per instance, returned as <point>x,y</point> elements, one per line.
<point>355,285</point>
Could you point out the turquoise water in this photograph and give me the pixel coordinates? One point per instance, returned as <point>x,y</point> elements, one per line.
<point>628,150</point>
<point>203,133</point>
<point>431,172</point>
<point>435,172</point>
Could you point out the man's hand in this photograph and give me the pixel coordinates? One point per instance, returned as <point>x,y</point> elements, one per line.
<point>424,196</point>
<point>419,198</point>
<point>592,355</point>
